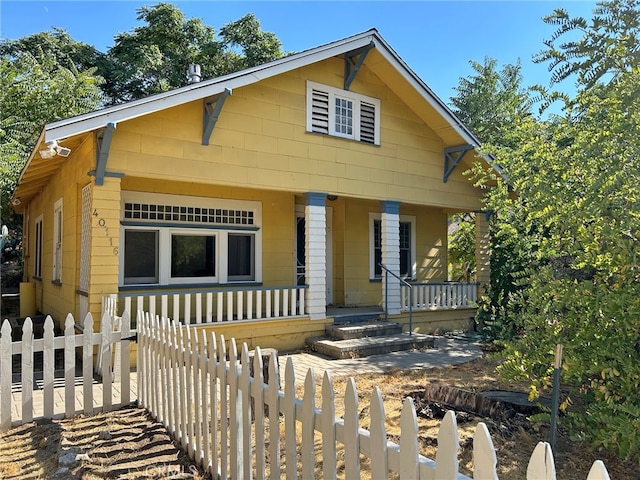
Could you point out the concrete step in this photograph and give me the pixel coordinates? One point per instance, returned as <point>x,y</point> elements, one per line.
<point>349,331</point>
<point>366,346</point>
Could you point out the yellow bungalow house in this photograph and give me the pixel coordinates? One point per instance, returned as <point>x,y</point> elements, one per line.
<point>258,201</point>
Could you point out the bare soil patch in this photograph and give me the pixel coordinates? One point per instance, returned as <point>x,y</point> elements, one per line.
<point>128,443</point>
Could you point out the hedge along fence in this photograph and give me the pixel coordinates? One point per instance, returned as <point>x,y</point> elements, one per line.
<point>203,395</point>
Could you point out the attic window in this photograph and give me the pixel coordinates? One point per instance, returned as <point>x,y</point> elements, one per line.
<point>340,113</point>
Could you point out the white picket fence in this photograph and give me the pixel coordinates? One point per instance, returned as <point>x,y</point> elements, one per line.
<point>203,395</point>
<point>36,396</point>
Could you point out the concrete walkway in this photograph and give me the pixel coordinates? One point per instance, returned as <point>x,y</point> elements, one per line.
<point>449,350</point>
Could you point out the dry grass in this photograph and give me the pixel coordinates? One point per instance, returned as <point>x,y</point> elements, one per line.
<point>138,447</point>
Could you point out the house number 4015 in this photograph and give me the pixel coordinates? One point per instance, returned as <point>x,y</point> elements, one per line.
<point>103,223</point>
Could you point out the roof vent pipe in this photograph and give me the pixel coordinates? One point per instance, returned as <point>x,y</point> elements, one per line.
<point>194,73</point>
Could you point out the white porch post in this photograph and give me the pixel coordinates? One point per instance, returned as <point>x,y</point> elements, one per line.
<point>390,232</point>
<point>483,251</point>
<point>316,255</point>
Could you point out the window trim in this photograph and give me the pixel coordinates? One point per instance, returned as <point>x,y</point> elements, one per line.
<point>37,246</point>
<point>166,229</point>
<point>411,219</point>
<point>58,222</point>
<point>358,101</point>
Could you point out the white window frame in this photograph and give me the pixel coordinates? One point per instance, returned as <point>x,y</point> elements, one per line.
<point>357,99</point>
<point>37,246</point>
<point>167,229</point>
<point>373,216</point>
<point>58,220</point>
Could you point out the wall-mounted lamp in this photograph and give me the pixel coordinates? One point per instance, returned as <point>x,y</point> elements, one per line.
<point>332,198</point>
<point>54,149</point>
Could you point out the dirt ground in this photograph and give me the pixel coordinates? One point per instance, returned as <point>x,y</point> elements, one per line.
<point>128,444</point>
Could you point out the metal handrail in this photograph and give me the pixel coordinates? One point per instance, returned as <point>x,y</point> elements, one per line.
<point>386,296</point>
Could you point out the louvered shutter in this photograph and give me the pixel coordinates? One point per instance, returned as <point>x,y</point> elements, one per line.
<point>367,122</point>
<point>319,111</point>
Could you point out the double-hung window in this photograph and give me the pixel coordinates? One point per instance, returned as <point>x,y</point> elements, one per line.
<point>186,240</point>
<point>407,245</point>
<point>57,241</point>
<point>342,113</point>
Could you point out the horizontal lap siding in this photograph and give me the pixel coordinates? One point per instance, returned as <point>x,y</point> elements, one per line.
<point>260,142</point>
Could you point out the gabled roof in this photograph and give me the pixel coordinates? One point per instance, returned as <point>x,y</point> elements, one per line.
<point>450,125</point>
<point>207,88</point>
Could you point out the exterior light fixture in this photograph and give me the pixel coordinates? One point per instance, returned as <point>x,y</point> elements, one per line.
<point>54,149</point>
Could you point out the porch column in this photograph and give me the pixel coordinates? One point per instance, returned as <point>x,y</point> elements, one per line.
<point>390,233</point>
<point>483,251</point>
<point>316,255</point>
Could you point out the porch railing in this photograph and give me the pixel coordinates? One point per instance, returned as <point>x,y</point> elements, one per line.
<point>438,295</point>
<point>213,305</point>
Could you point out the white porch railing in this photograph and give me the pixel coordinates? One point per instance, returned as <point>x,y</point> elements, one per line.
<point>213,305</point>
<point>439,295</point>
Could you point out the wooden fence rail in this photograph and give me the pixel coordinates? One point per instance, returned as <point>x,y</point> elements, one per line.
<point>30,388</point>
<point>203,394</point>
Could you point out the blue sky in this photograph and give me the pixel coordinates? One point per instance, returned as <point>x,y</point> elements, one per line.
<point>437,39</point>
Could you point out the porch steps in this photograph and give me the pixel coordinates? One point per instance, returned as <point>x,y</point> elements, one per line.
<point>362,339</point>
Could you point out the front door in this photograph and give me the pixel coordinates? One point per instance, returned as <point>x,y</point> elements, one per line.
<point>300,250</point>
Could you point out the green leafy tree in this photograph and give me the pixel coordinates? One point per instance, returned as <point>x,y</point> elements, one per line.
<point>492,102</point>
<point>36,90</point>
<point>577,178</point>
<point>155,57</point>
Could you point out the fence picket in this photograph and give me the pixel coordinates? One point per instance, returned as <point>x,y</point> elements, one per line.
<point>257,391</point>
<point>125,359</point>
<point>245,395</point>
<point>308,426</point>
<point>289,411</point>
<point>224,406</point>
<point>541,466</point>
<point>27,370</point>
<point>409,441</point>
<point>351,440</point>
<point>5,378</point>
<point>328,429</point>
<point>212,453</point>
<point>447,454</point>
<point>235,409</point>
<point>273,400</point>
<point>48,368</point>
<point>203,426</point>
<point>378,445</point>
<point>70,367</point>
<point>484,454</point>
<point>190,347</point>
<point>87,364</point>
<point>598,471</point>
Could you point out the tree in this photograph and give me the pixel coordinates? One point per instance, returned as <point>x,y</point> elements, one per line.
<point>35,90</point>
<point>492,103</point>
<point>577,178</point>
<point>155,57</point>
